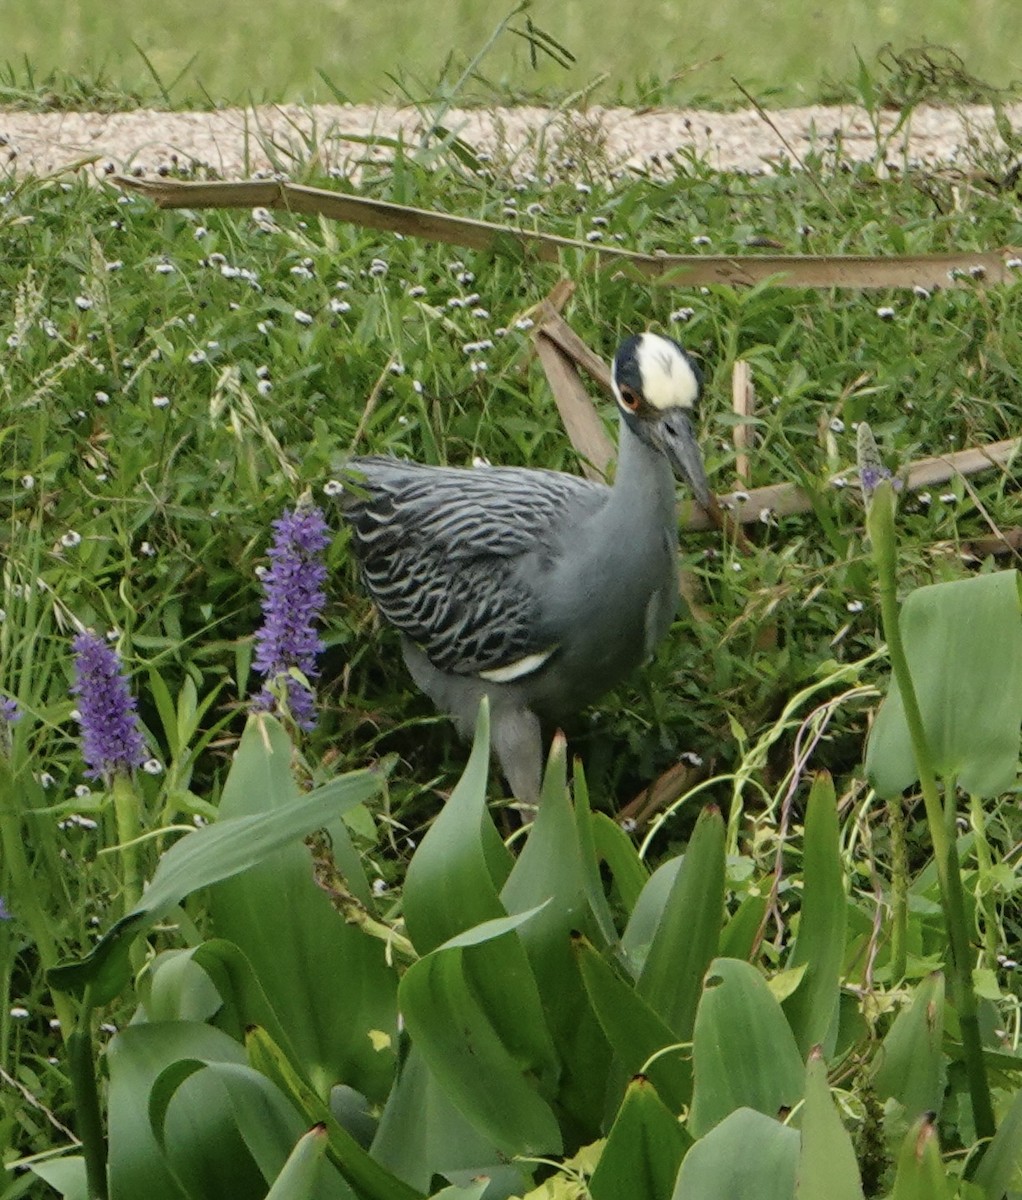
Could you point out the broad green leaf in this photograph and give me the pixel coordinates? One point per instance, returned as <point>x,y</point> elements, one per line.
<point>216,852</point>
<point>240,1000</point>
<point>921,1174</point>
<point>644,1149</point>
<point>136,1057</point>
<point>746,1155</point>
<point>820,944</point>
<point>964,646</point>
<point>180,990</point>
<point>592,882</point>
<point>614,847</point>
<point>739,935</point>
<point>326,979</point>
<point>226,1130</point>
<point>688,932</point>
<point>369,1178</point>
<point>457,1039</point>
<point>444,1143</point>
<point>498,975</point>
<point>744,1053</point>
<point>299,1178</point>
<point>1001,1168</point>
<point>910,1063</point>
<point>646,913</point>
<point>634,1030</point>
<point>827,1169</point>
<point>65,1175</point>
<point>450,884</point>
<point>551,870</point>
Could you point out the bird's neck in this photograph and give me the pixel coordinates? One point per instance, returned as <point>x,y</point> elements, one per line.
<point>643,485</point>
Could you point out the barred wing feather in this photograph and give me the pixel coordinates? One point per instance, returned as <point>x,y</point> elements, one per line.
<point>454,558</point>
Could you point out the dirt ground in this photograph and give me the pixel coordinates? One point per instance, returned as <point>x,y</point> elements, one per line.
<point>236,143</point>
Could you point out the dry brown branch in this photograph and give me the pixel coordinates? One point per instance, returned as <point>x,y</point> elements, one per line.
<point>743,402</point>
<point>671,270</point>
<point>787,499</point>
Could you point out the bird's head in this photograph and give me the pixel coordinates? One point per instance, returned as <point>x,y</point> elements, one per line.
<point>657,386</point>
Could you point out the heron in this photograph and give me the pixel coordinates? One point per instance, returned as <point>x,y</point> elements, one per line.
<point>534,588</point>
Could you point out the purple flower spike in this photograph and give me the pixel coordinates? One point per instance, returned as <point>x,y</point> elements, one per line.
<point>294,599</point>
<point>10,712</point>
<point>5,912</point>
<point>870,478</point>
<point>111,740</point>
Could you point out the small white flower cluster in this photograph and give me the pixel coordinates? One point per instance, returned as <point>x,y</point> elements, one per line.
<point>77,821</point>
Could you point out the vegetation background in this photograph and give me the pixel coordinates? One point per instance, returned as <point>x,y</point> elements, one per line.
<point>171,381</point>
<point>647,51</point>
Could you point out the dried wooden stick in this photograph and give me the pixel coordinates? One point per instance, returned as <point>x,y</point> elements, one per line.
<point>787,499</point>
<point>743,402</point>
<point>671,270</point>
<point>581,420</point>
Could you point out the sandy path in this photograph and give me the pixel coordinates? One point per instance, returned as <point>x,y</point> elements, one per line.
<point>240,142</point>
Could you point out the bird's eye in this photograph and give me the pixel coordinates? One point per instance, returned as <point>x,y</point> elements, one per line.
<point>630,399</point>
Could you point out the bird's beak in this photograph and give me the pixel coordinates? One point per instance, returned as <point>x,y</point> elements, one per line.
<point>682,450</point>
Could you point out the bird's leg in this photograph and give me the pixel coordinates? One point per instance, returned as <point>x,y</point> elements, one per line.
<point>518,744</point>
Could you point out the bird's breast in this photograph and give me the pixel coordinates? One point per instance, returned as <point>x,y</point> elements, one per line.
<point>608,619</point>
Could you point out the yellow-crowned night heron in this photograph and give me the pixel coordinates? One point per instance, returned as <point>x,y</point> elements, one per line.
<point>537,589</point>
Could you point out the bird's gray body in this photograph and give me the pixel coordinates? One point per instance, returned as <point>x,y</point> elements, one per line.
<point>536,589</point>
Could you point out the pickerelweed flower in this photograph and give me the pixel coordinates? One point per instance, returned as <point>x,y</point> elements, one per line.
<point>111,739</point>
<point>5,912</point>
<point>10,712</point>
<point>294,599</point>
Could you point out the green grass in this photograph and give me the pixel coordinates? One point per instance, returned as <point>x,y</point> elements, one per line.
<point>649,52</point>
<point>161,400</point>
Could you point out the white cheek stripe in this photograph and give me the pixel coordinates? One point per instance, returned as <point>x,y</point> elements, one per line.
<point>519,668</point>
<point>667,379</point>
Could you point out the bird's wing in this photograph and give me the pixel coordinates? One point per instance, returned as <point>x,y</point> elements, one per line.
<point>453,557</point>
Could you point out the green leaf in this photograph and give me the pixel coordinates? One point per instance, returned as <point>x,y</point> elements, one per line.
<point>136,1057</point>
<point>446,1144</point>
<point>180,990</point>
<point>450,885</point>
<point>457,1039</point>
<point>647,912</point>
<point>744,1053</point>
<point>964,646</point>
<point>297,945</point>
<point>739,935</point>
<point>1001,1168</point>
<point>215,853</point>
<point>551,870</point>
<point>921,1174</point>
<point>827,1169</point>
<point>688,932</point>
<point>299,1178</point>
<point>65,1175</point>
<point>225,1129</point>
<point>592,882</point>
<point>615,848</point>
<point>820,944</point>
<point>634,1030</point>
<point>370,1179</point>
<point>242,1000</point>
<point>910,1063</point>
<point>746,1155</point>
<point>644,1149</point>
